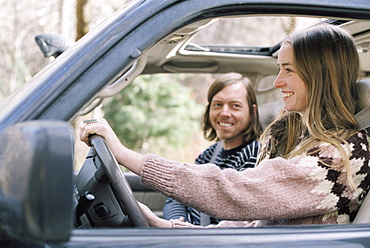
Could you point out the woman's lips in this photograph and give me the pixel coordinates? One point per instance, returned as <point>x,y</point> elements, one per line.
<point>287,94</point>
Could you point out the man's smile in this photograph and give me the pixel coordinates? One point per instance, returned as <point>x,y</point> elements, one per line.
<point>225,124</point>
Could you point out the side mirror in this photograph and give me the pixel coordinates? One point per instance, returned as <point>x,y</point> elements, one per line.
<point>36,168</point>
<point>53,45</point>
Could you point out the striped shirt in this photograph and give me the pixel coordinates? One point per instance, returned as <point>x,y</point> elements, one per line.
<point>239,158</point>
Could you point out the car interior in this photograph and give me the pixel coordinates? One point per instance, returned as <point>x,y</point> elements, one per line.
<point>99,202</point>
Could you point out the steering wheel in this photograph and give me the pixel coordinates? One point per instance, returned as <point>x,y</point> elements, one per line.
<point>118,181</point>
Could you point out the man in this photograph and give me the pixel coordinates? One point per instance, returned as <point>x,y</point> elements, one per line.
<point>231,118</point>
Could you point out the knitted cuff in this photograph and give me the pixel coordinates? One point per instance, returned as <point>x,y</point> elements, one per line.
<point>155,173</point>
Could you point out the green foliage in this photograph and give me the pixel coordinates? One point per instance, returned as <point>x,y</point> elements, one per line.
<point>154,110</point>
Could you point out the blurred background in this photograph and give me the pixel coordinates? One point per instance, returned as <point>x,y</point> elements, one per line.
<point>21,58</point>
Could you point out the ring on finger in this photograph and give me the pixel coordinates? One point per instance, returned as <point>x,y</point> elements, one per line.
<point>90,121</point>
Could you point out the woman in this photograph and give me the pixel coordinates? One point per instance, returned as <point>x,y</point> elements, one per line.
<point>231,117</point>
<point>314,166</point>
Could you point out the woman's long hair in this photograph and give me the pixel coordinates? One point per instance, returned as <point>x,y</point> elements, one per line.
<point>326,58</point>
<point>254,129</point>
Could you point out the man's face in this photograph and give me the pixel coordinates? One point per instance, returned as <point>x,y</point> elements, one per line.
<point>229,114</point>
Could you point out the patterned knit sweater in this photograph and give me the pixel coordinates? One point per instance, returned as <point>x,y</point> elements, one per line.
<point>300,190</point>
<point>238,158</point>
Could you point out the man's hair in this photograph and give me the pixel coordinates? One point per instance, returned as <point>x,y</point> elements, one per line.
<point>254,128</point>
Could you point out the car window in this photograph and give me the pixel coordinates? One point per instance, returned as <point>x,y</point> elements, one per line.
<point>256,31</point>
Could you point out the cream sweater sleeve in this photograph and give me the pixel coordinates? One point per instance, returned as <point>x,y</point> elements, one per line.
<point>277,189</point>
<point>271,190</point>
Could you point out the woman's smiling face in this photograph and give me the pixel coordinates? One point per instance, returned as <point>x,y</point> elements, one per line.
<point>289,82</point>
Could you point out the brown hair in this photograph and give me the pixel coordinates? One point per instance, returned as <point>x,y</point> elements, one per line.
<point>254,129</point>
<point>326,58</point>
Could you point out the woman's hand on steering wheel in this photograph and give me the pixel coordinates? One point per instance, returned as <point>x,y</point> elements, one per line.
<point>154,220</point>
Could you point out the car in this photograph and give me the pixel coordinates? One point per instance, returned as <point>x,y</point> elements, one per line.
<point>44,204</point>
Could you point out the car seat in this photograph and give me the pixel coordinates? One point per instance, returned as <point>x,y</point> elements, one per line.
<point>363,90</point>
<point>269,111</point>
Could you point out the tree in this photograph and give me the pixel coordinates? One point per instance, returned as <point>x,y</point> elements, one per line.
<point>82,24</point>
<point>154,112</point>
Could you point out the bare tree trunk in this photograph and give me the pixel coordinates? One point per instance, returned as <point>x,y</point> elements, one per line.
<point>60,4</point>
<point>289,25</point>
<point>82,25</point>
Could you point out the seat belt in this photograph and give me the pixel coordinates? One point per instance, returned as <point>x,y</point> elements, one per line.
<point>363,118</point>
<point>205,219</point>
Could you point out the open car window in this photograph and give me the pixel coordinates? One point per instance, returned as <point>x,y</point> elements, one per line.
<point>253,31</point>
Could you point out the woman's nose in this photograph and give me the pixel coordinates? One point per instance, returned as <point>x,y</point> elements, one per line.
<point>279,82</point>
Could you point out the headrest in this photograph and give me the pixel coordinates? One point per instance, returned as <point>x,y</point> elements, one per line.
<point>363,91</point>
<point>269,111</point>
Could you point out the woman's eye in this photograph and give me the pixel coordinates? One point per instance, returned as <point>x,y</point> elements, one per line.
<point>290,69</point>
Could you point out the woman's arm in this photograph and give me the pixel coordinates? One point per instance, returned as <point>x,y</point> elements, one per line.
<point>277,189</point>
<point>124,156</point>
<point>154,220</point>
